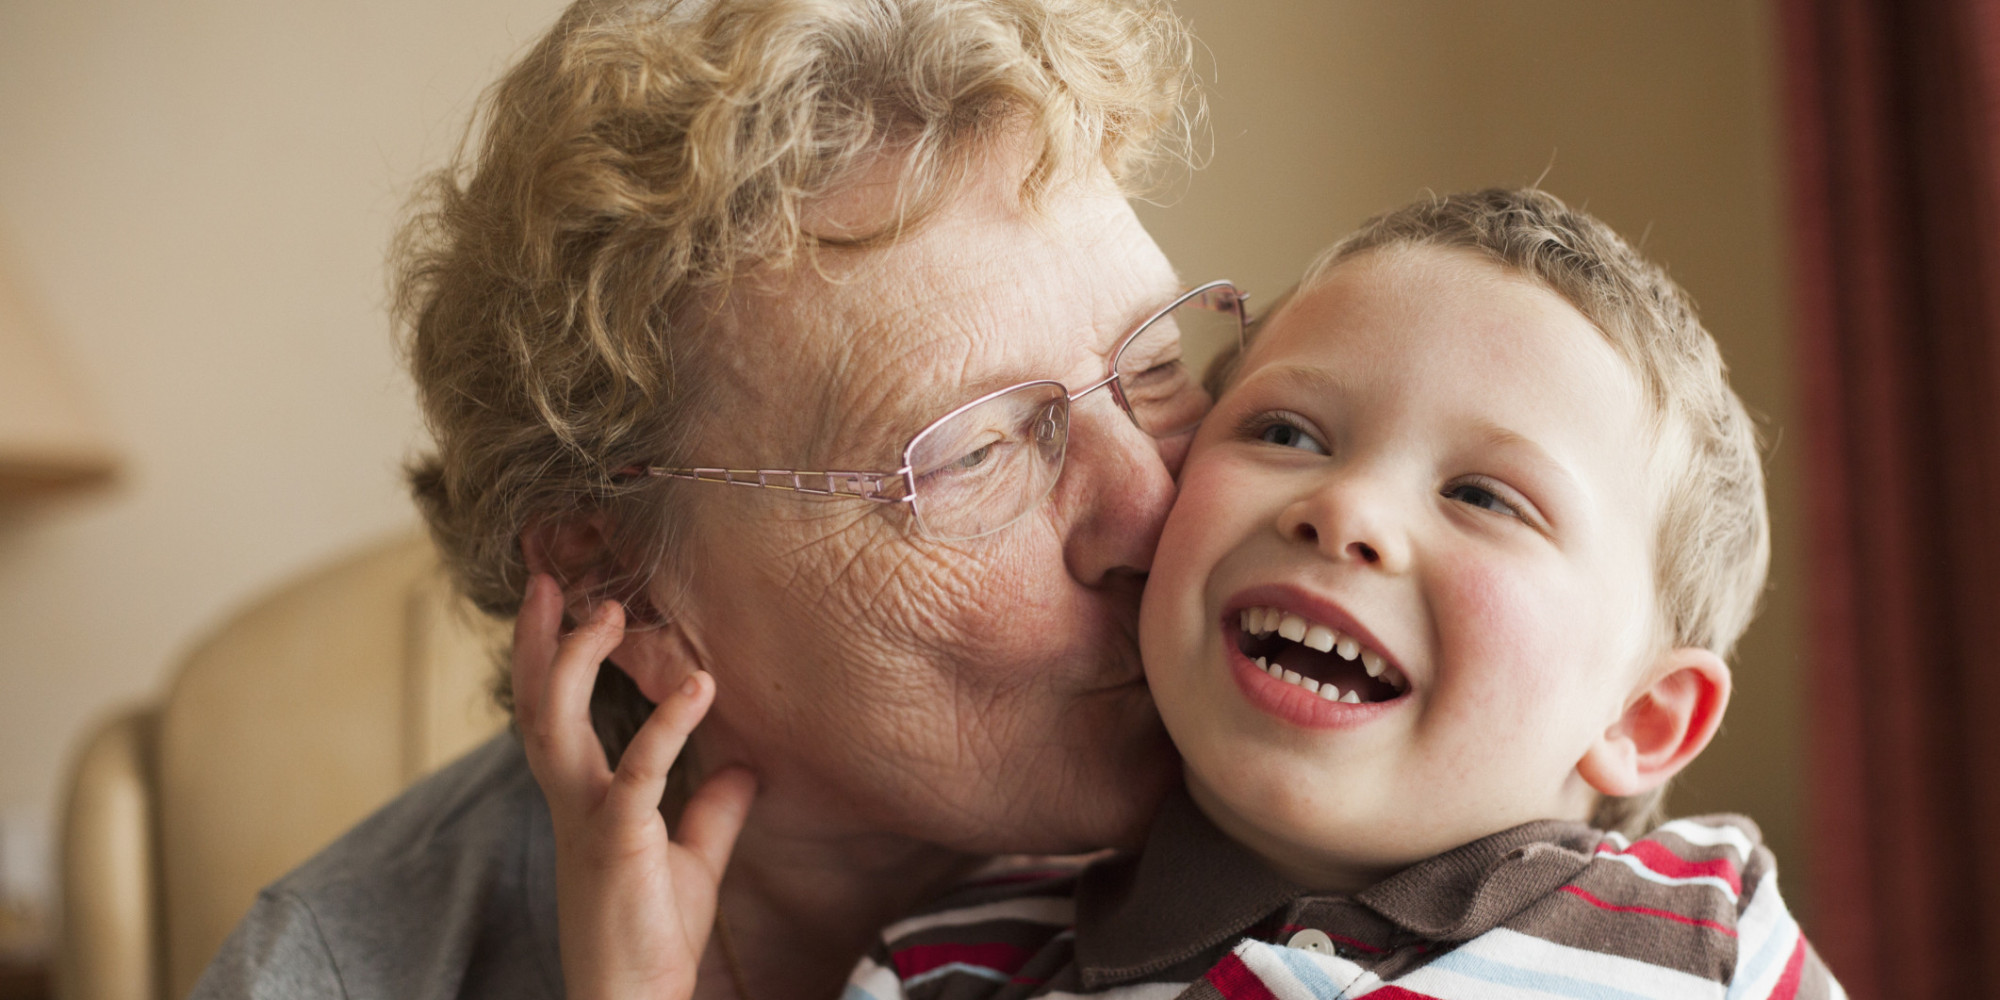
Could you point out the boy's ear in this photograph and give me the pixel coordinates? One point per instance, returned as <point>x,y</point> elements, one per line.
<point>1666,724</point>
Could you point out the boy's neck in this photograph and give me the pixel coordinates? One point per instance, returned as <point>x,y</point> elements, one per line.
<point>1328,875</point>
<point>1318,871</point>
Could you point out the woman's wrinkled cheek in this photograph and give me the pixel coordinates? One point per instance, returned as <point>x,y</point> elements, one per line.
<point>847,569</point>
<point>916,597</point>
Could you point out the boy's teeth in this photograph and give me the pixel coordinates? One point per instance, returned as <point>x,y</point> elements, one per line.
<point>1294,678</point>
<point>1327,691</point>
<point>1320,637</point>
<point>1262,621</point>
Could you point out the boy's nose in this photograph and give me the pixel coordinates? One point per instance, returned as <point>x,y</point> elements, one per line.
<point>1345,523</point>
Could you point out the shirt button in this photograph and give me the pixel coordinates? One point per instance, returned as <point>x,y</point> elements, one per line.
<point>1311,940</point>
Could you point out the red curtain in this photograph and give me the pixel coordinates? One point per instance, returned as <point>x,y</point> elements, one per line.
<point>1893,111</point>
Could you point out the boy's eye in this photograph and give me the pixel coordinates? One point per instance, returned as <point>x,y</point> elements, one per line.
<point>1288,435</point>
<point>1475,495</point>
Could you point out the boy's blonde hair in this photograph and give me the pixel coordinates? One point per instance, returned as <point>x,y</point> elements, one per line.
<point>1713,544</point>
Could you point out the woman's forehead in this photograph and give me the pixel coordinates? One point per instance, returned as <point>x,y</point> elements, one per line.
<point>870,345</point>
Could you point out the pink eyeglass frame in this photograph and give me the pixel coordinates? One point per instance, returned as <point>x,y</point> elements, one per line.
<point>880,486</point>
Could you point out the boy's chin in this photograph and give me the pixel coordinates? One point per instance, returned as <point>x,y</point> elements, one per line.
<point>1344,852</point>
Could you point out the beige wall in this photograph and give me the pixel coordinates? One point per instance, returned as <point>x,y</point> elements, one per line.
<point>198,195</point>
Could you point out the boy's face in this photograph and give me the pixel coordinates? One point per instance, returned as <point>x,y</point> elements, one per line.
<point>1446,465</point>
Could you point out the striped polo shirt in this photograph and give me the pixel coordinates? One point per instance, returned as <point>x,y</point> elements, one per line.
<point>1548,909</point>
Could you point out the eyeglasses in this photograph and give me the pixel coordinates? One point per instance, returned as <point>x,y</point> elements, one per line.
<point>983,466</point>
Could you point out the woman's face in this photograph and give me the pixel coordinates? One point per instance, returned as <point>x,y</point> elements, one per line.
<point>982,694</point>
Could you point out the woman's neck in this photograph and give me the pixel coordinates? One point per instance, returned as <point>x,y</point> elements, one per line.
<point>800,909</point>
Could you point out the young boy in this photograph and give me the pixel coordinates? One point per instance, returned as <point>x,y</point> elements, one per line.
<point>1445,601</point>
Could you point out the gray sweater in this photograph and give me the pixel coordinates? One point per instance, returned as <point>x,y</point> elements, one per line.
<point>448,891</point>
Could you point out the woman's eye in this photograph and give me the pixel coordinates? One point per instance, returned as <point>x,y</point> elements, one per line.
<point>1290,436</point>
<point>1475,495</point>
<point>973,459</point>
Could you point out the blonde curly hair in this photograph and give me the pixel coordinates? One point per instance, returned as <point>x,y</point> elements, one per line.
<point>554,281</point>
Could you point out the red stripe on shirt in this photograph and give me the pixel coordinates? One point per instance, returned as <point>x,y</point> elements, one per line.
<point>1795,967</point>
<point>918,959</point>
<point>1648,911</point>
<point>1398,993</point>
<point>1655,855</point>
<point>1235,981</point>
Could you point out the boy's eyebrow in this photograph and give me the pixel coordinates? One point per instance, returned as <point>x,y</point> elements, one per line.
<point>1313,379</point>
<point>1493,435</point>
<point>1306,378</point>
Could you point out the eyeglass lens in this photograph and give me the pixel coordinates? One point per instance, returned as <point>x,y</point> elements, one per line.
<point>985,466</point>
<point>1161,371</point>
<point>982,468</point>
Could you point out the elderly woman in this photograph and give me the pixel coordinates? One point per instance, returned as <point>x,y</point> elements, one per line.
<point>878,253</point>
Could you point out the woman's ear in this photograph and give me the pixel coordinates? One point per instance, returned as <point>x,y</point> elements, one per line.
<point>659,659</point>
<point>573,551</point>
<point>1667,723</point>
<point>580,553</point>
<point>576,551</point>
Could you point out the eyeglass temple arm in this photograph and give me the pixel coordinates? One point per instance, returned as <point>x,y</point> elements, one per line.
<point>881,487</point>
<point>900,486</point>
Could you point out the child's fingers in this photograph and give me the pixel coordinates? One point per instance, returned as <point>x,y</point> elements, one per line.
<point>641,780</point>
<point>566,729</point>
<point>535,647</point>
<point>552,692</point>
<point>715,815</point>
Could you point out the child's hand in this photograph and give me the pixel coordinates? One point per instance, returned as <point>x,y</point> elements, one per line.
<point>634,908</point>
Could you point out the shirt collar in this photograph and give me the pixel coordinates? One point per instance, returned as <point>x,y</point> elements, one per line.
<point>1193,888</point>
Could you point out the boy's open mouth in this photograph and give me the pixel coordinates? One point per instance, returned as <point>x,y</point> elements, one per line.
<point>1318,658</point>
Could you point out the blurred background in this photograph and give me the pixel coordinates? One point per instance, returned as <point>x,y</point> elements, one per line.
<point>195,200</point>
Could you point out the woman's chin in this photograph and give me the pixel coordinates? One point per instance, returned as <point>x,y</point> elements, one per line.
<point>1107,801</point>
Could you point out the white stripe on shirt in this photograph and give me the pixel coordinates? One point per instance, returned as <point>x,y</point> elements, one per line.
<point>1640,869</point>
<point>1055,911</point>
<point>1507,963</point>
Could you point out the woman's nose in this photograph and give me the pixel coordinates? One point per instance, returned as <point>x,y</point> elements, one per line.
<point>1114,493</point>
<point>1349,521</point>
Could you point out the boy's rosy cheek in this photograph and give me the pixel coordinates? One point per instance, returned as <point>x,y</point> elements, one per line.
<point>1206,489</point>
<point>1502,621</point>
